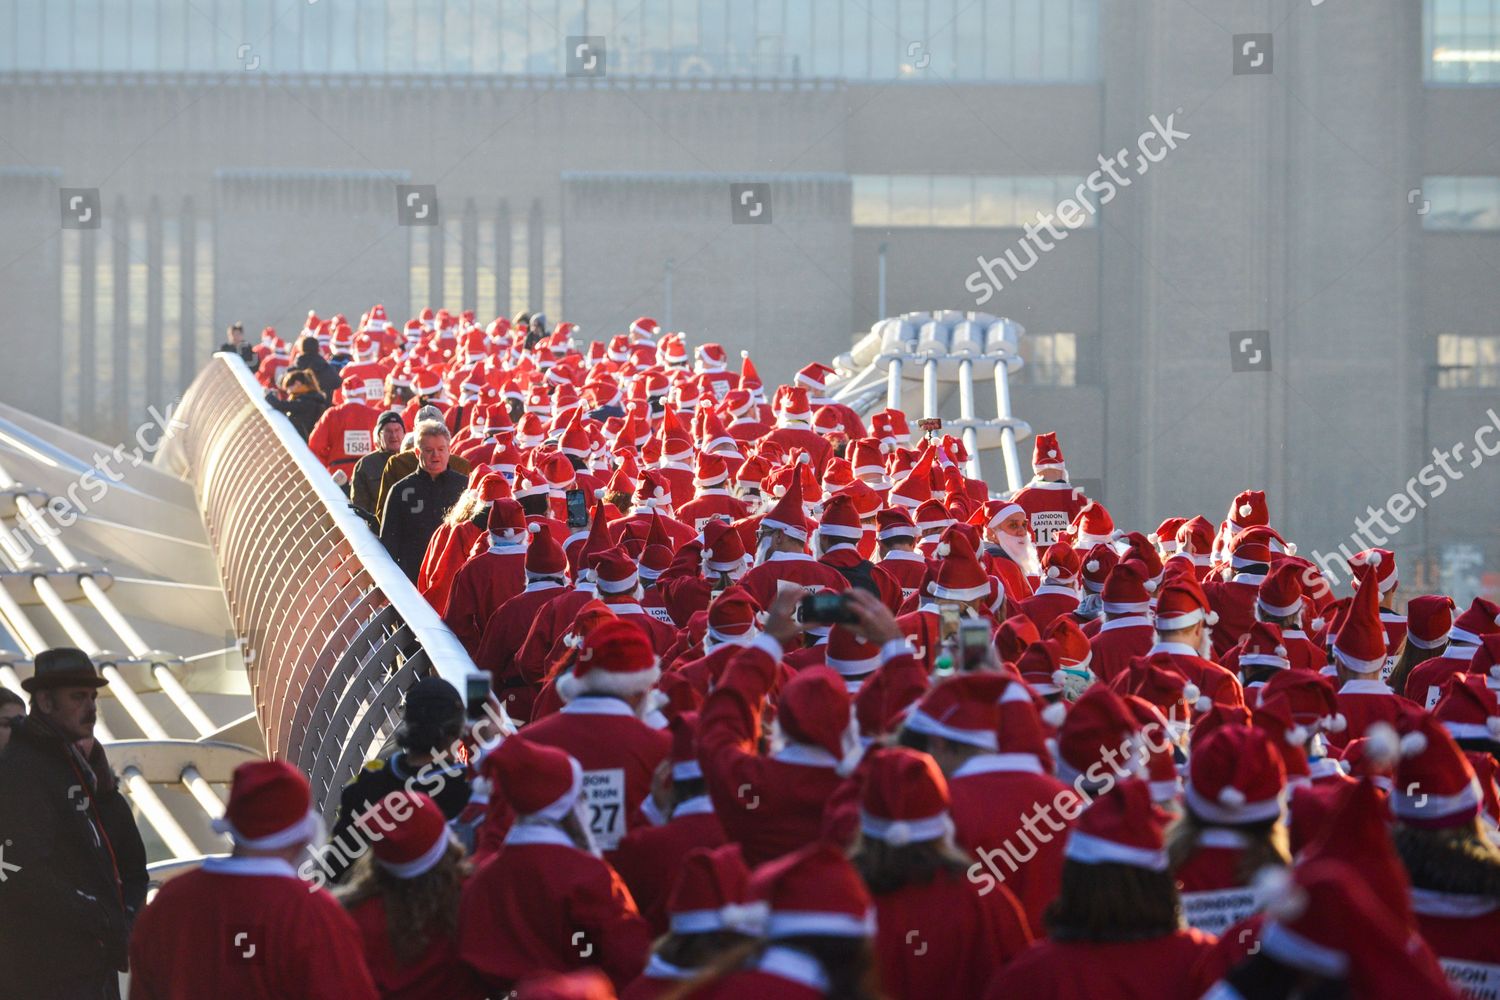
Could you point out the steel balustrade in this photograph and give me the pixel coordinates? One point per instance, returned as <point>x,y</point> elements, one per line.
<point>334,631</point>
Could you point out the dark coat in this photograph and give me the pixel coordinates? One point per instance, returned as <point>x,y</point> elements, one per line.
<point>364,485</point>
<point>449,788</point>
<point>326,374</point>
<point>303,410</point>
<point>413,510</point>
<point>245,351</point>
<point>74,865</point>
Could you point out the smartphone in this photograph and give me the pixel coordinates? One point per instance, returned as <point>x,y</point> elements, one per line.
<point>975,647</point>
<point>930,425</point>
<point>578,509</point>
<point>826,608</point>
<point>476,694</point>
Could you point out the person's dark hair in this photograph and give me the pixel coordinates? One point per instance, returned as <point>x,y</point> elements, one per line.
<point>535,505</point>
<point>298,376</point>
<point>1268,844</point>
<point>694,951</point>
<point>1113,902</point>
<point>515,407</point>
<point>307,344</point>
<point>913,739</point>
<point>9,697</point>
<point>1457,859</point>
<point>687,788</point>
<point>1407,657</point>
<point>416,909</point>
<point>1261,977</point>
<point>621,501</point>
<point>885,868</point>
<point>578,465</point>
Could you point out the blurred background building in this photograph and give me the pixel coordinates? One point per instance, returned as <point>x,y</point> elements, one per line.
<point>1340,190</point>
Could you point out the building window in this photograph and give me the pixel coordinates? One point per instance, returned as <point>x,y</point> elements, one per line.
<point>1051,359</point>
<point>1461,42</point>
<point>1467,362</point>
<point>1461,203</point>
<point>959,201</point>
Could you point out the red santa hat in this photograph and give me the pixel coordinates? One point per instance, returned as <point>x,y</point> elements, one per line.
<point>1469,709</point>
<point>535,779</point>
<point>1182,604</point>
<point>904,799</point>
<point>1250,547</point>
<point>1161,765</point>
<point>1038,664</point>
<point>732,615</point>
<point>1092,526</point>
<point>850,655</point>
<point>712,357</point>
<point>653,491</point>
<point>915,487</point>
<point>814,892</point>
<point>1435,786</point>
<point>958,576</point>
<point>1235,777</point>
<point>1428,619</point>
<point>840,519</point>
<point>1380,561</point>
<point>1097,564</point>
<point>710,471</point>
<point>1060,563</point>
<point>615,572</point>
<point>1280,593</point>
<point>1313,699</point>
<point>894,522</point>
<point>787,515</point>
<point>932,516</point>
<point>963,709</point>
<point>1074,651</point>
<point>752,472</point>
<point>1263,646</point>
<point>270,808</point>
<point>544,556</point>
<point>815,712</point>
<point>1480,618</point>
<point>1126,591</point>
<point>1013,636</point>
<point>867,456</point>
<point>616,659</point>
<point>1273,716</point>
<point>506,521</point>
<point>815,376</point>
<point>1248,509</point>
<point>1360,646</point>
<point>1121,827</point>
<point>416,839</point>
<point>1196,535</point>
<point>723,548</point>
<point>1165,535</point>
<point>795,405</point>
<point>1155,679</point>
<point>1486,659</point>
<point>1046,453</point>
<point>1097,724</point>
<point>710,894</point>
<point>646,328</point>
<point>750,379</point>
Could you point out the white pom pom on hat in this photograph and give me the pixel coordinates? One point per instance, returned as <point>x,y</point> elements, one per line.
<point>1381,744</point>
<point>1053,573</point>
<point>1413,744</point>
<point>1278,894</point>
<point>1212,618</point>
<point>1245,510</point>
<point>1373,559</point>
<point>533,528</point>
<point>1190,692</point>
<point>1231,797</point>
<point>1204,704</point>
<point>1056,713</point>
<point>1092,566</point>
<point>943,550</point>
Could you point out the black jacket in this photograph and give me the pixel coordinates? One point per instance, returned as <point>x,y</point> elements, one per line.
<point>74,865</point>
<point>303,410</point>
<point>364,486</point>
<point>325,373</point>
<point>414,509</point>
<point>449,788</point>
<point>245,351</point>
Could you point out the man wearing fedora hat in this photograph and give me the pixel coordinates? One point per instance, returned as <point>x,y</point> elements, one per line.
<point>66,834</point>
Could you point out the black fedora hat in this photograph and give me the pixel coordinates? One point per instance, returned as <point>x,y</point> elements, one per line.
<point>62,667</point>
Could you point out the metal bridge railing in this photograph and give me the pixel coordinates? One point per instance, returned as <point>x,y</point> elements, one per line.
<point>334,632</point>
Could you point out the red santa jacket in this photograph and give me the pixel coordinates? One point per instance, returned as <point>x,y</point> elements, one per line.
<point>1425,682</point>
<point>1234,600</point>
<point>1212,680</point>
<point>1049,603</point>
<point>770,805</point>
<point>542,905</point>
<point>806,439</point>
<point>343,435</point>
<point>847,557</point>
<point>551,623</point>
<point>447,551</point>
<point>1363,702</point>
<point>779,973</point>
<point>908,569</point>
<point>1158,968</point>
<point>372,374</point>
<point>748,430</point>
<point>993,794</point>
<point>679,533</point>
<point>663,636</point>
<point>679,476</point>
<point>618,753</point>
<point>1050,508</point>
<point>1117,642</point>
<point>501,640</point>
<point>796,568</point>
<point>1463,931</point>
<point>483,584</point>
<point>923,629</point>
<point>246,928</point>
<point>1214,895</point>
<point>1012,577</point>
<point>648,857</point>
<point>436,974</point>
<point>943,939</point>
<point>709,503</point>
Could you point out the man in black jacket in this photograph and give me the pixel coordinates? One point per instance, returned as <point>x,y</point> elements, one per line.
<point>415,506</point>
<point>72,865</point>
<point>235,344</point>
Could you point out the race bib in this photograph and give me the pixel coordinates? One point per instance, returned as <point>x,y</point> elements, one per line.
<point>1214,912</point>
<point>1387,667</point>
<point>660,614</point>
<point>604,795</point>
<point>357,443</point>
<point>374,388</point>
<point>1045,524</point>
<point>1472,980</point>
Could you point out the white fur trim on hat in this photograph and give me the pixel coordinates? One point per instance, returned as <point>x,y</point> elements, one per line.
<point>304,831</point>
<point>1090,850</point>
<point>899,833</point>
<point>421,865</point>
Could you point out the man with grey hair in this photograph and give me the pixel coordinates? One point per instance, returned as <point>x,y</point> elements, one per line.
<point>406,460</point>
<point>416,504</point>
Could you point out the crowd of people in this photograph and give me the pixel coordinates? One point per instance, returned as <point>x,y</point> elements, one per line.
<point>806,711</point>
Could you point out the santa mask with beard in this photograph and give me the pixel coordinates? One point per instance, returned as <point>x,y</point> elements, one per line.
<point>1021,550</point>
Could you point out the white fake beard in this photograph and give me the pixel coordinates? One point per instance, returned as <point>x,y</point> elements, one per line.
<point>763,550</point>
<point>1022,551</point>
<point>1205,645</point>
